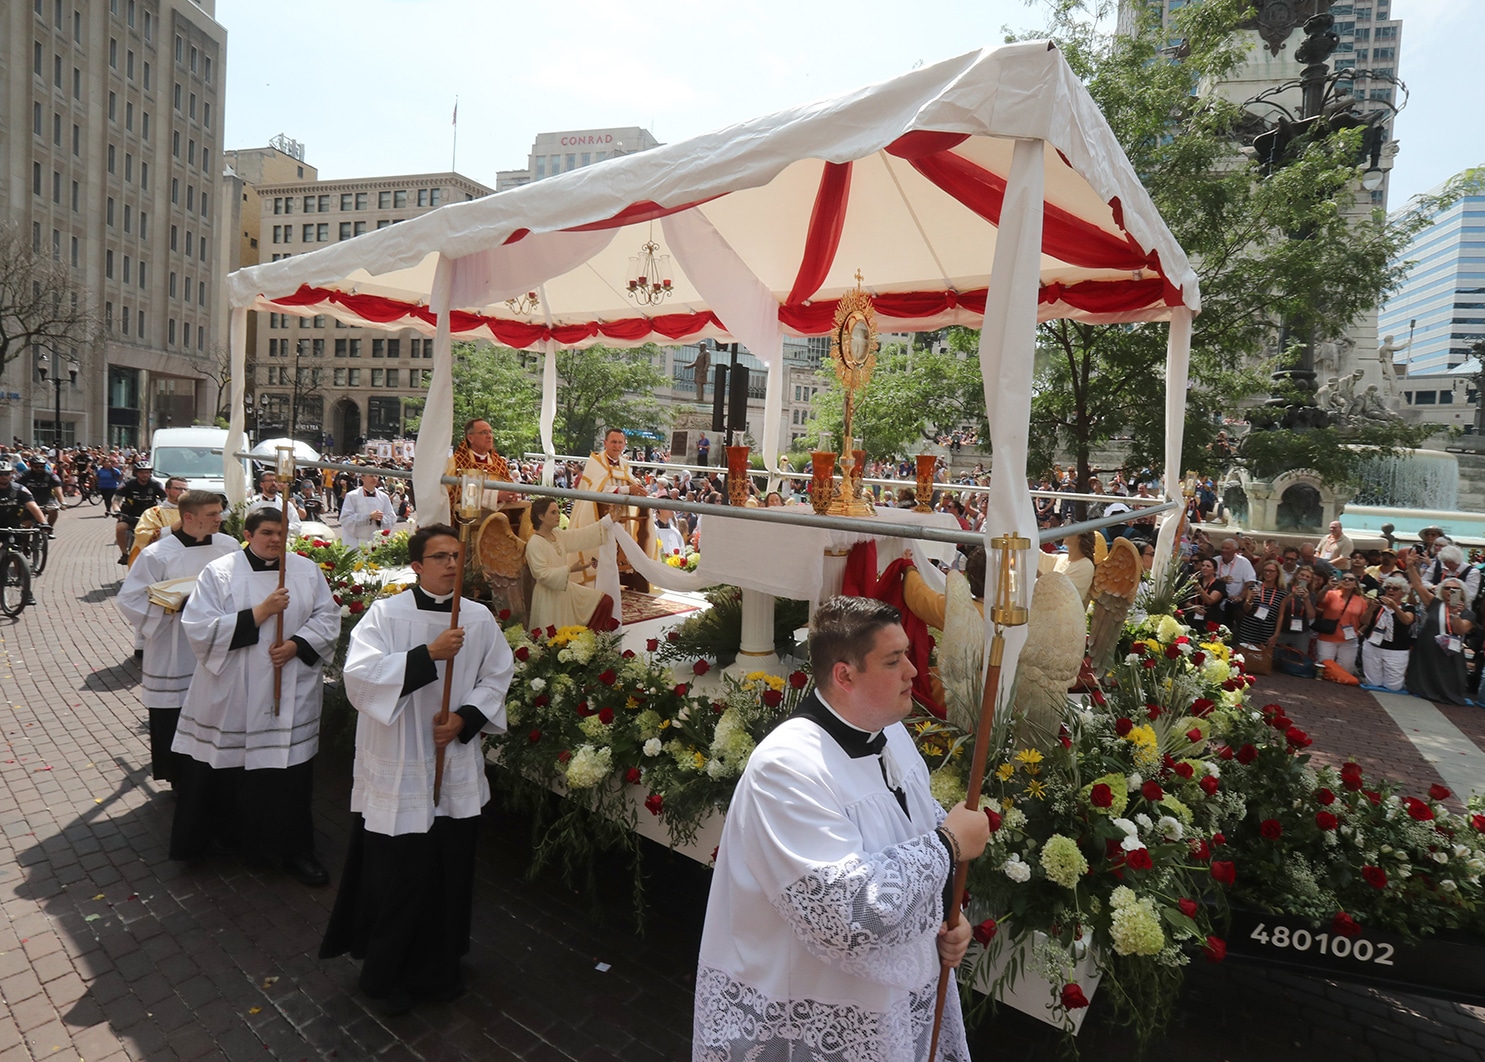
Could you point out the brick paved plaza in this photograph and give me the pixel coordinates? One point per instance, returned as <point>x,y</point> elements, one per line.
<point>108,950</point>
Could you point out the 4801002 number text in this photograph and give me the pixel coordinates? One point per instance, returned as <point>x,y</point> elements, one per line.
<point>1342,947</point>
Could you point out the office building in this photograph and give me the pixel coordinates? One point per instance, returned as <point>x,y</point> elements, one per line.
<point>110,119</point>
<point>345,384</point>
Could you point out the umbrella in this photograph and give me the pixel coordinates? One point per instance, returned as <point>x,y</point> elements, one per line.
<point>268,448</point>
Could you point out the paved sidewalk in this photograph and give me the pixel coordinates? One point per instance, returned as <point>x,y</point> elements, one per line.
<point>110,951</point>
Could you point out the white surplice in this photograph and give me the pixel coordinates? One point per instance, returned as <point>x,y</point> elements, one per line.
<point>168,660</point>
<point>227,719</point>
<point>821,929</point>
<point>277,505</point>
<point>393,779</point>
<point>357,528</point>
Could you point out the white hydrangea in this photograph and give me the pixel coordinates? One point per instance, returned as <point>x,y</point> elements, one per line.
<point>588,767</point>
<point>537,685</point>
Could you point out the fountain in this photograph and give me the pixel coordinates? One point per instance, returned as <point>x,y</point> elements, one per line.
<point>1412,479</point>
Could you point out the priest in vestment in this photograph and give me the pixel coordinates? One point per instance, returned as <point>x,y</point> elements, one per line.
<point>366,513</point>
<point>825,925</point>
<point>248,774</point>
<point>477,455</point>
<point>408,889</point>
<point>158,520</point>
<point>168,660</point>
<point>608,472</point>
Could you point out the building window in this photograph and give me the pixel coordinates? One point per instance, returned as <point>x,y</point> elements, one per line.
<point>108,265</point>
<point>172,295</point>
<point>193,59</point>
<point>175,190</point>
<point>422,197</point>
<point>129,167</point>
<point>76,190</point>
<point>170,331</point>
<point>384,200</point>
<point>392,378</point>
<point>339,377</point>
<point>399,198</point>
<point>146,76</point>
<point>144,175</point>
<point>435,196</point>
<point>113,53</point>
<point>360,227</point>
<point>113,106</point>
<point>376,378</point>
<point>378,348</point>
<point>355,348</point>
<point>108,212</point>
<point>340,348</point>
<point>353,378</point>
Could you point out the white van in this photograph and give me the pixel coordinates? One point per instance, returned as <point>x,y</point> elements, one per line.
<point>194,454</point>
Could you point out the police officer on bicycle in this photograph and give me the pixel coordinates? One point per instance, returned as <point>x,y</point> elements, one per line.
<point>15,500</point>
<point>46,489</point>
<point>139,494</point>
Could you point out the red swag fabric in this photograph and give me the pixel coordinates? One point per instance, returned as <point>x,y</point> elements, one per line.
<point>920,642</point>
<point>860,578</point>
<point>827,221</point>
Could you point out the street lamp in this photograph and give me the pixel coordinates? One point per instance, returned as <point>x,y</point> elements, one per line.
<point>56,379</point>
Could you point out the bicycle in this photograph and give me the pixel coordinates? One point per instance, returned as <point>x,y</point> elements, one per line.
<point>74,494</point>
<point>15,572</point>
<point>40,547</point>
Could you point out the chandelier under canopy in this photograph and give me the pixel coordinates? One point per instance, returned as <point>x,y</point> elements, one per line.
<point>649,273</point>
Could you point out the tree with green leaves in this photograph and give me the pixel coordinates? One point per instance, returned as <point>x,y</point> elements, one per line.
<point>914,396</point>
<point>495,384</point>
<point>603,387</point>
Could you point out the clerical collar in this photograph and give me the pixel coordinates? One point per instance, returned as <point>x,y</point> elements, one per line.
<point>258,564</point>
<point>427,602</point>
<point>169,505</point>
<point>369,493</point>
<point>852,739</point>
<point>187,540</point>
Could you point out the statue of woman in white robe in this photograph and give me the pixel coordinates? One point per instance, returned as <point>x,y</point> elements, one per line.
<point>553,555</point>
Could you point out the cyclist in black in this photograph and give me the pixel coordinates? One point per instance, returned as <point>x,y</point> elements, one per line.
<point>46,488</point>
<point>15,500</point>
<point>139,494</point>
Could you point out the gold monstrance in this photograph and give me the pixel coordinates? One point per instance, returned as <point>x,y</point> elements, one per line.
<point>853,349</point>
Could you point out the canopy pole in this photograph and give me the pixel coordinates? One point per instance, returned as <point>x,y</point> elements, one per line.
<point>234,478</point>
<point>437,428</point>
<point>1007,341</point>
<point>548,395</point>
<point>1177,372</point>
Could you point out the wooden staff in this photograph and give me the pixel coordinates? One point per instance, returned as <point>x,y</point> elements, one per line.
<point>971,801</point>
<point>283,564</point>
<point>448,676</point>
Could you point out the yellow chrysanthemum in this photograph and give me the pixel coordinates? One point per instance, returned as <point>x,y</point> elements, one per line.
<point>1006,771</point>
<point>1037,789</point>
<point>1029,756</point>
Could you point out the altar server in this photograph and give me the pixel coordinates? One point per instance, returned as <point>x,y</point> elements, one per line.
<point>825,926</point>
<point>168,660</point>
<point>366,513</point>
<point>408,889</point>
<point>269,498</point>
<point>248,777</point>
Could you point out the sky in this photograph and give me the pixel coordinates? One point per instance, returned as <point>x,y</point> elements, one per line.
<point>369,86</point>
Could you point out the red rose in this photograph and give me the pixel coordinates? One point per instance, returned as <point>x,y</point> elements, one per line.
<point>1376,877</point>
<point>798,680</point>
<point>1478,822</point>
<point>1213,628</point>
<point>1123,726</point>
<point>1297,738</point>
<point>608,677</point>
<point>1417,809</point>
<point>628,654</point>
<point>985,932</point>
<point>1247,754</point>
<point>1139,859</point>
<point>1351,776</point>
<point>1372,795</point>
<point>1438,792</point>
<point>1193,735</point>
<point>1201,707</point>
<point>1188,907</point>
<point>992,817</point>
<point>551,631</point>
<point>1072,997</point>
<point>654,803</point>
<point>1184,770</point>
<point>1224,872</point>
<point>1271,829</point>
<point>336,599</point>
<point>1199,849</point>
<point>563,756</point>
<point>605,716</point>
<point>1343,925</point>
<point>681,690</point>
<point>523,654</point>
<point>1219,838</point>
<point>1152,711</point>
<point>1198,658</point>
<point>1215,949</point>
<point>1326,821</point>
<point>1225,752</point>
<point>503,615</point>
<point>1101,796</point>
<point>534,736</point>
<point>718,707</point>
<point>358,589</point>
<point>672,636</point>
<point>1099,699</point>
<point>1148,663</point>
<point>583,710</point>
<point>1152,792</point>
<point>701,667</point>
<point>1209,785</point>
<point>1172,652</point>
<point>651,644</point>
<point>541,700</point>
<point>357,606</point>
<point>633,775</point>
<point>1064,738</point>
<point>1324,796</point>
<point>772,698</point>
<point>1140,648</point>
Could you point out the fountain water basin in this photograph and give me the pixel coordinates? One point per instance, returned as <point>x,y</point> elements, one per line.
<point>1412,490</point>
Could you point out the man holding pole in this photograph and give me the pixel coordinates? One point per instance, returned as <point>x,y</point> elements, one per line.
<point>408,889</point>
<point>832,874</point>
<point>247,773</point>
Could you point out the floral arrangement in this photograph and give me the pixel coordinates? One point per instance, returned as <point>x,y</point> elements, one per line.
<point>686,560</point>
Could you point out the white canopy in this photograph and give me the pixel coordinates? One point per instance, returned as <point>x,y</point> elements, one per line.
<point>985,190</point>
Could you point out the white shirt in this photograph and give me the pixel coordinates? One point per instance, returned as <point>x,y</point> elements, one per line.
<point>357,527</point>
<point>276,503</point>
<point>1236,573</point>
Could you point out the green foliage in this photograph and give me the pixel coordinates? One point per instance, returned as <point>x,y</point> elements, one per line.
<point>602,387</point>
<point>1334,453</point>
<point>912,398</point>
<point>716,633</point>
<point>496,384</point>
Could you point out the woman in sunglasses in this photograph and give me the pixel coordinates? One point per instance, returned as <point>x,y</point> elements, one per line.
<point>1338,623</point>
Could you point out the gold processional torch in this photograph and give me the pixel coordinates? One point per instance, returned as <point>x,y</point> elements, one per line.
<point>1015,572</point>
